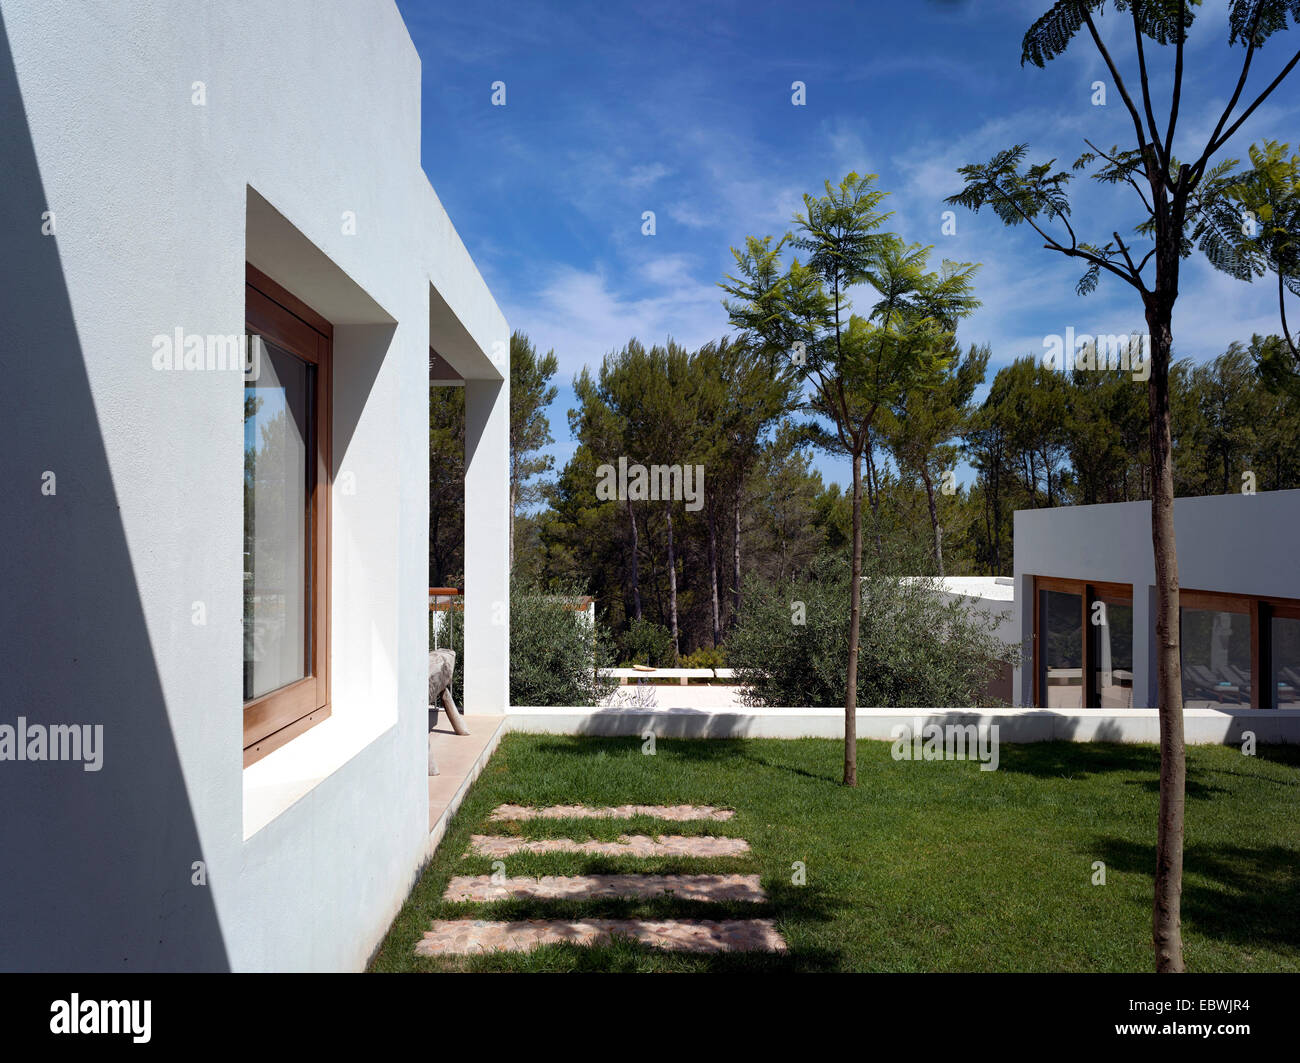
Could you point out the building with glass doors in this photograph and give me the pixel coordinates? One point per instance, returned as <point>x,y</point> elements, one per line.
<point>1085,592</point>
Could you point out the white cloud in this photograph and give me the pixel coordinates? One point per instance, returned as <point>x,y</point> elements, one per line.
<point>644,176</point>
<point>582,316</point>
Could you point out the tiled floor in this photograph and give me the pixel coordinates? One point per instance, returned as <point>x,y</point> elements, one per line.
<point>460,758</point>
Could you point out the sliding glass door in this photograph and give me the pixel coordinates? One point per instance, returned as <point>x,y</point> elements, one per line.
<point>1083,644</point>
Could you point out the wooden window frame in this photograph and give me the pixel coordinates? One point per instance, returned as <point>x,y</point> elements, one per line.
<point>1089,591</point>
<point>281,715</point>
<point>1287,609</point>
<point>1261,608</point>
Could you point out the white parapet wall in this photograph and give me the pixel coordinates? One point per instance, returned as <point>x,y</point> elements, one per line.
<point>1202,726</point>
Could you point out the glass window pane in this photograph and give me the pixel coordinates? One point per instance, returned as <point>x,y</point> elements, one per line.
<point>279,463</point>
<point>1284,652</point>
<point>1216,658</point>
<point>1061,653</point>
<point>1114,663</point>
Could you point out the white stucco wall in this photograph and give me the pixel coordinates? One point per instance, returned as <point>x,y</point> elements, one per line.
<point>315,108</point>
<point>993,597</point>
<point>1241,544</point>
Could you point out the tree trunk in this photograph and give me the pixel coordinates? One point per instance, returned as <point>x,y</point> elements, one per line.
<point>855,617</point>
<point>934,519</point>
<point>735,558</point>
<point>654,572</point>
<point>997,517</point>
<point>672,583</point>
<point>713,576</point>
<point>1166,917</point>
<point>636,585</point>
<point>513,497</point>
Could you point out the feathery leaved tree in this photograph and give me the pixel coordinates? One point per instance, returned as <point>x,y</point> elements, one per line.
<point>1176,196</point>
<point>853,366</point>
<point>1255,229</point>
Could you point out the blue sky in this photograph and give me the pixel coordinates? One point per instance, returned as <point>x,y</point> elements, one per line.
<point>685,109</point>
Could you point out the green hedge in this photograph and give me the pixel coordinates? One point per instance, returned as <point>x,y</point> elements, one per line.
<point>915,648</point>
<point>646,642</point>
<point>554,651</point>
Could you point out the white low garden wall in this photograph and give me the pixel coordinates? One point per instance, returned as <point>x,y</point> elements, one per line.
<point>1201,726</point>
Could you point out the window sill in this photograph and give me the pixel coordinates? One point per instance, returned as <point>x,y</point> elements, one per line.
<point>279,780</point>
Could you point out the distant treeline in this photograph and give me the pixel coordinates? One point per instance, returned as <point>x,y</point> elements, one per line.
<point>1040,437</point>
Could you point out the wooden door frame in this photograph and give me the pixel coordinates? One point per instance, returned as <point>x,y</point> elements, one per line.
<point>1089,591</point>
<point>281,715</point>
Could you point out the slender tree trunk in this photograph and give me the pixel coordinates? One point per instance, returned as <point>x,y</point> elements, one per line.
<point>735,556</point>
<point>855,618</point>
<point>713,576</point>
<point>514,496</point>
<point>934,519</point>
<point>654,572</point>
<point>997,517</point>
<point>672,582</point>
<point>636,583</point>
<point>1166,917</point>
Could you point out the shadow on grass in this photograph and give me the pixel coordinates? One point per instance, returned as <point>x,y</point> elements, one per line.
<point>833,777</point>
<point>1196,790</point>
<point>1237,894</point>
<point>694,750</point>
<point>704,750</point>
<point>1079,760</point>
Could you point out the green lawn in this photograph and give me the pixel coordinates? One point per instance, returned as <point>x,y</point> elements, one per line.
<point>925,867</point>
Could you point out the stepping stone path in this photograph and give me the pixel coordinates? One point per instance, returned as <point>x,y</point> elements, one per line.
<point>691,935</point>
<point>469,936</point>
<point>581,887</point>
<point>676,813</point>
<point>627,845</point>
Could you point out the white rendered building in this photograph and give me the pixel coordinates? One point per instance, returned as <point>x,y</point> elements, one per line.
<point>214,573</point>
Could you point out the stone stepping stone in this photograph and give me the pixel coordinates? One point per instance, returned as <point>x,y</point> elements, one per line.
<point>581,887</point>
<point>676,813</point>
<point>627,845</point>
<point>464,936</point>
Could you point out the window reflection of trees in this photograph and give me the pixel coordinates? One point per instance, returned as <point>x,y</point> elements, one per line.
<point>275,498</point>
